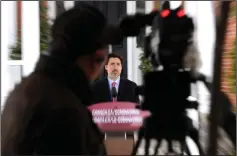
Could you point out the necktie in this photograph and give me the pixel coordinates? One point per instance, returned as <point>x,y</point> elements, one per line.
<point>113,85</point>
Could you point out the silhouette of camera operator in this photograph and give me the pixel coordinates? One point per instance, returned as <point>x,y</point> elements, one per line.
<point>46,114</point>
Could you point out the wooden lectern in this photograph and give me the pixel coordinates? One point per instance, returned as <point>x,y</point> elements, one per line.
<point>119,143</point>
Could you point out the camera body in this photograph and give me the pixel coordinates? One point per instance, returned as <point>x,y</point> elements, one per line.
<point>170,45</point>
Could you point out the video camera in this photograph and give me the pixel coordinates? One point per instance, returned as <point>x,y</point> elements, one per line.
<point>170,45</point>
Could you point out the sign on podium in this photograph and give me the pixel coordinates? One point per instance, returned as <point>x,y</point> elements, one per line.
<point>117,120</point>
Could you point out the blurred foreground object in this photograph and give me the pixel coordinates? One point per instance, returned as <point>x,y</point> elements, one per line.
<point>46,114</point>
<point>216,106</point>
<point>165,91</point>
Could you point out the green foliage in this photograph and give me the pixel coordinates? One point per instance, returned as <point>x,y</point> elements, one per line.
<point>44,28</point>
<point>145,65</point>
<point>16,50</point>
<point>15,53</point>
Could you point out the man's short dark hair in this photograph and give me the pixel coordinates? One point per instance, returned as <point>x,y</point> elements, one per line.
<point>115,55</point>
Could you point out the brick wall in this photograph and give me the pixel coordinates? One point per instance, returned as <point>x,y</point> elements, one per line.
<point>227,63</point>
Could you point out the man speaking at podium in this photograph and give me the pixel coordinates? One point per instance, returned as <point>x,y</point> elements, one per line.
<point>111,89</point>
<point>114,88</point>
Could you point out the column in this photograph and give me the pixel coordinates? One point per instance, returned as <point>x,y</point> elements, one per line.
<point>206,45</point>
<point>12,34</point>
<point>30,35</point>
<point>8,36</point>
<point>136,56</point>
<point>131,42</point>
<point>68,4</point>
<point>206,35</point>
<point>191,10</point>
<point>51,11</point>
<point>149,5</point>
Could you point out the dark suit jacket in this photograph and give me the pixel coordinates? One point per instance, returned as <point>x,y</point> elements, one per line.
<point>126,91</point>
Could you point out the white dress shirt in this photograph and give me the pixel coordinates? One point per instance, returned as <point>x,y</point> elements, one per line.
<point>117,83</point>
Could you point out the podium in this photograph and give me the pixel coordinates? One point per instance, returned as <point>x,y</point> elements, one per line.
<point>119,121</point>
<point>119,143</point>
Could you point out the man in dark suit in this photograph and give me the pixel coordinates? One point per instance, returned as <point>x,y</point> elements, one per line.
<point>126,89</point>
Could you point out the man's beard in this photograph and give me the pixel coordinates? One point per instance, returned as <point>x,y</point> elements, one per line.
<point>114,74</point>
